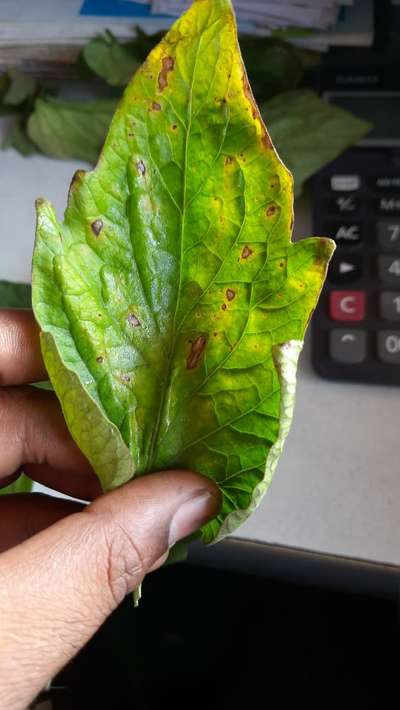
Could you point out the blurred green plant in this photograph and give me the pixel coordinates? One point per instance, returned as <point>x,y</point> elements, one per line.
<point>307,132</point>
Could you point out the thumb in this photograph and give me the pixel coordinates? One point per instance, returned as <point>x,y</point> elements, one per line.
<point>58,587</point>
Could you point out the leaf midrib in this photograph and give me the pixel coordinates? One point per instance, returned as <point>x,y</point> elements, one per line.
<point>166,381</point>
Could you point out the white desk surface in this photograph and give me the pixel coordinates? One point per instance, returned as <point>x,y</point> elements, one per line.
<point>337,488</point>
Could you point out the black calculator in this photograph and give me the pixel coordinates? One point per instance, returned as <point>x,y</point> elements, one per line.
<point>356,326</point>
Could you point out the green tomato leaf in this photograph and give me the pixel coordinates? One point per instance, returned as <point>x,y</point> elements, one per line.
<point>171,300</point>
<point>110,59</point>
<point>70,129</point>
<point>309,132</point>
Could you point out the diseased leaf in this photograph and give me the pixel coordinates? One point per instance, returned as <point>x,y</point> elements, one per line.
<point>70,129</point>
<point>110,59</point>
<point>309,133</point>
<point>171,301</point>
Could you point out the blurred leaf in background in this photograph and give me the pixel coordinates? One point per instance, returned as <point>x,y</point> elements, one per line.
<point>17,138</point>
<point>308,133</point>
<point>70,129</point>
<point>14,295</point>
<point>21,87</point>
<point>110,59</point>
<point>273,65</point>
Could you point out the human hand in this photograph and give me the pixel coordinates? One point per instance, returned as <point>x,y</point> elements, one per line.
<point>64,567</point>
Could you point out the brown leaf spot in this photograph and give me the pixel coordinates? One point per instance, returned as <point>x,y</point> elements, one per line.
<point>156,106</point>
<point>133,320</point>
<point>265,139</point>
<point>246,88</point>
<point>271,210</point>
<point>141,168</point>
<point>100,359</point>
<point>224,306</point>
<point>196,351</point>
<point>126,378</point>
<point>275,182</point>
<point>230,294</point>
<point>246,252</point>
<point>228,160</point>
<point>167,66</point>
<point>174,126</point>
<point>97,226</point>
<point>249,95</point>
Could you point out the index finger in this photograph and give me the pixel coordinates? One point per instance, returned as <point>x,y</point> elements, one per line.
<point>21,361</point>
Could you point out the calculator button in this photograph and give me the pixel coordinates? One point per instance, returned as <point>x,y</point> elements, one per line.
<point>345,270</point>
<point>347,305</point>
<point>348,346</point>
<point>388,204</point>
<point>343,204</point>
<point>389,234</point>
<point>345,183</point>
<point>384,182</point>
<point>389,346</point>
<point>345,234</point>
<point>389,305</point>
<point>389,269</point>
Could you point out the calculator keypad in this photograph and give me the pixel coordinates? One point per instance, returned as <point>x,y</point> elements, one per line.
<point>345,269</point>
<point>348,346</point>
<point>344,233</point>
<point>389,234</point>
<point>390,305</point>
<point>389,269</point>
<point>343,204</point>
<point>347,306</point>
<point>389,346</point>
<point>356,327</point>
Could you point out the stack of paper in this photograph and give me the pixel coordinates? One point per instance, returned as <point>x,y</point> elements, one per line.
<point>318,14</point>
<point>330,22</point>
<point>54,30</point>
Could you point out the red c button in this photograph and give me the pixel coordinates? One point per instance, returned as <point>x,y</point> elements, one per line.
<point>347,305</point>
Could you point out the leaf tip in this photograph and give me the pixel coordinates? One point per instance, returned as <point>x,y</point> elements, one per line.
<point>76,180</point>
<point>325,249</point>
